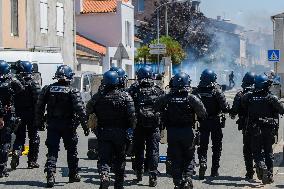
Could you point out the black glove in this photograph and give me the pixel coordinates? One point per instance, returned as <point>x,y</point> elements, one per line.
<point>129,134</point>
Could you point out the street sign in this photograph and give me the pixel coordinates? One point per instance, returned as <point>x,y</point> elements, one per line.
<point>158,51</point>
<point>157,46</point>
<point>274,55</point>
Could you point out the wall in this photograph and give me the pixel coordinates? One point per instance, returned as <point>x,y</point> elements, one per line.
<point>109,30</point>
<point>279,44</point>
<point>1,26</point>
<point>104,28</point>
<point>36,38</point>
<point>9,41</point>
<point>87,65</point>
<point>127,14</point>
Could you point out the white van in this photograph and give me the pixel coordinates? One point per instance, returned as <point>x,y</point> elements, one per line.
<point>47,62</point>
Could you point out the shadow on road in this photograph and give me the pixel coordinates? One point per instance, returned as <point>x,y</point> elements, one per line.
<point>210,181</point>
<point>24,183</point>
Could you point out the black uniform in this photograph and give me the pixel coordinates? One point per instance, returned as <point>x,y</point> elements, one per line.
<point>148,122</point>
<point>237,109</point>
<point>215,103</point>
<point>231,79</point>
<point>115,114</point>
<point>179,109</point>
<point>9,87</point>
<point>64,109</point>
<point>25,103</point>
<point>263,109</point>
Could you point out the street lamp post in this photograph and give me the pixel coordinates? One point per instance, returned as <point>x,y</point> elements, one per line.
<point>166,22</point>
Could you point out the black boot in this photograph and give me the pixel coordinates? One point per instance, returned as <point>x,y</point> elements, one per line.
<point>153,180</point>
<point>105,181</point>
<point>169,170</point>
<point>270,178</point>
<point>249,175</point>
<point>74,177</point>
<point>50,180</point>
<point>262,174</point>
<point>187,183</point>
<point>202,170</point>
<point>15,160</point>
<point>139,176</point>
<point>32,165</point>
<point>214,172</point>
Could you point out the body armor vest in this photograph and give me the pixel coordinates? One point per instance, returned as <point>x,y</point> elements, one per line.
<point>144,100</point>
<point>179,113</point>
<point>110,110</point>
<point>59,104</point>
<point>208,98</point>
<point>259,107</point>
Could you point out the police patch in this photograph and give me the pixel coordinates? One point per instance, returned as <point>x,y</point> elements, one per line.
<point>59,89</point>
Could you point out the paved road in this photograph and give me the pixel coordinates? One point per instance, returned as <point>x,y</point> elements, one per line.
<point>232,168</point>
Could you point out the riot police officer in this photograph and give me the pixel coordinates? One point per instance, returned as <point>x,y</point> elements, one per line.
<point>179,109</point>
<point>247,85</point>
<point>263,109</point>
<point>9,87</point>
<point>25,103</point>
<point>115,114</point>
<point>64,108</point>
<point>215,103</point>
<point>144,93</point>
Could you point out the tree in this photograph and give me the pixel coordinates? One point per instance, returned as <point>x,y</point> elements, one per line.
<point>173,49</point>
<point>186,25</point>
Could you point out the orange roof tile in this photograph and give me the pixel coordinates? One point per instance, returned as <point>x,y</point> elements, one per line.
<point>99,6</point>
<point>85,42</point>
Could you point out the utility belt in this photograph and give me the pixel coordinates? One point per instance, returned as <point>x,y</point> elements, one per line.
<point>220,117</point>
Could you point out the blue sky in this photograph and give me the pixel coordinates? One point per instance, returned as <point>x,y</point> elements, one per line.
<point>253,14</point>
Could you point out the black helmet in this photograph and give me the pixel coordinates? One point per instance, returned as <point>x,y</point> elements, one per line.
<point>145,72</point>
<point>121,74</point>
<point>5,68</point>
<point>262,82</point>
<point>248,79</point>
<point>180,80</point>
<point>110,78</point>
<point>25,67</point>
<point>208,77</point>
<point>64,72</point>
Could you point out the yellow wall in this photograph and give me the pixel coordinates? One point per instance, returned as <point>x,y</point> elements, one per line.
<point>9,41</point>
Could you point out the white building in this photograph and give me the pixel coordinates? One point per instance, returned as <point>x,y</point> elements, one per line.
<point>278,29</point>
<point>109,23</point>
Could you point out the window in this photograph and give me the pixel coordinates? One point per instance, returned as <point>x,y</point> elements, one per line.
<point>59,19</point>
<point>128,33</point>
<point>14,18</point>
<point>43,16</point>
<point>141,5</point>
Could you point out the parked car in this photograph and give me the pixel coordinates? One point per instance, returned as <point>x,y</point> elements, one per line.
<point>87,83</point>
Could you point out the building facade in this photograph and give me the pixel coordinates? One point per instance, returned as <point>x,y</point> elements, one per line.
<point>13,24</point>
<point>278,29</point>
<point>38,26</point>
<point>109,23</point>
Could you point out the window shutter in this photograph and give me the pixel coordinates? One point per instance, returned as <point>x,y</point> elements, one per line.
<point>60,19</point>
<point>14,18</point>
<point>128,33</point>
<point>43,16</point>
